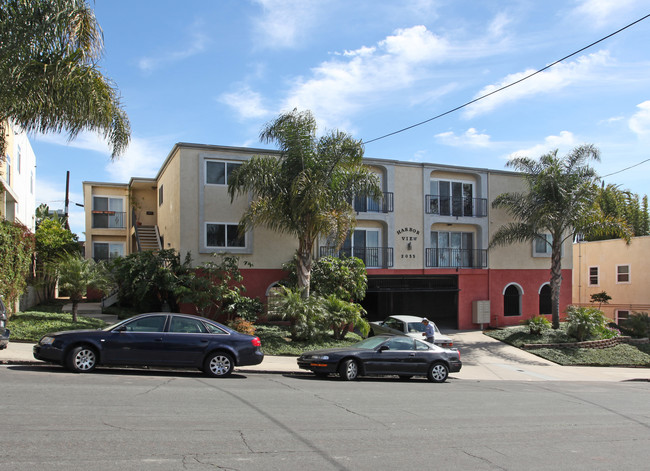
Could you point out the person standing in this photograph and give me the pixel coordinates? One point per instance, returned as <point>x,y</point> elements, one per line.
<point>428,330</point>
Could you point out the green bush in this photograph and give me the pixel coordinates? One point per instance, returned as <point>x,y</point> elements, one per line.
<point>584,322</point>
<point>637,325</point>
<point>537,324</point>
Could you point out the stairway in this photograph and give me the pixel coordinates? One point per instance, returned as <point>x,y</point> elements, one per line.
<point>148,238</point>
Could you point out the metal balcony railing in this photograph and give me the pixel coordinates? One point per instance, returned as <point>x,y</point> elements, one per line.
<point>455,206</point>
<point>456,258</point>
<point>373,257</point>
<point>108,219</point>
<point>370,205</point>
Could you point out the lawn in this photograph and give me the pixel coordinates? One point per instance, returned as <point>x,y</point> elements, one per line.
<point>619,355</point>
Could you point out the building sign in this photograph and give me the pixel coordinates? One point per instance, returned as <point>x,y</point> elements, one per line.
<point>407,235</point>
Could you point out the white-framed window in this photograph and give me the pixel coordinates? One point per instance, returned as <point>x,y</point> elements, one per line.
<point>217,172</point>
<point>223,235</point>
<point>8,174</point>
<point>622,316</point>
<point>451,249</point>
<point>107,250</point>
<point>622,273</point>
<point>108,212</point>
<point>594,276</point>
<point>364,244</point>
<point>18,159</point>
<point>451,198</point>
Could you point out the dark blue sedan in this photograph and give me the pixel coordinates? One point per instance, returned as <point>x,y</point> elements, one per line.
<point>153,339</point>
<point>384,355</point>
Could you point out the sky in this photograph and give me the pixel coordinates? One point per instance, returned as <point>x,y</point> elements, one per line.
<point>215,71</point>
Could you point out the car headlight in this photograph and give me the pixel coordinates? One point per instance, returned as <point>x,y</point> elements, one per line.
<point>320,357</point>
<point>47,341</point>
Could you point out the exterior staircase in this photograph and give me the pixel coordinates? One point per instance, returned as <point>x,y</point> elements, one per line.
<point>148,238</point>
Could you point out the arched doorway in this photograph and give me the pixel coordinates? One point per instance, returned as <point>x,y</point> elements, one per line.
<point>512,300</point>
<point>545,303</point>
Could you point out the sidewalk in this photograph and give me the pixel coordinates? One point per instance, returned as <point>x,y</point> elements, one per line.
<point>484,359</point>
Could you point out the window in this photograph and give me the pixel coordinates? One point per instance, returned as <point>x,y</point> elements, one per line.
<point>18,159</point>
<point>451,249</point>
<point>8,174</point>
<point>31,183</point>
<point>593,276</point>
<point>622,316</point>
<point>224,235</point>
<point>452,198</point>
<point>160,195</point>
<point>542,245</point>
<point>185,325</point>
<point>108,212</point>
<point>622,273</point>
<point>107,250</point>
<point>400,343</point>
<point>512,301</point>
<point>146,324</point>
<point>218,173</point>
<point>364,244</point>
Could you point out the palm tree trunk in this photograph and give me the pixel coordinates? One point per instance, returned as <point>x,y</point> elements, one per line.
<point>556,281</point>
<point>304,267</point>
<point>75,306</point>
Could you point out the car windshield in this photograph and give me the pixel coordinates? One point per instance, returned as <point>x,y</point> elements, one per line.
<point>370,343</point>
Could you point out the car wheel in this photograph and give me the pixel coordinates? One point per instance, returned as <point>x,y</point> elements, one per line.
<point>218,365</point>
<point>82,359</point>
<point>349,370</point>
<point>438,373</point>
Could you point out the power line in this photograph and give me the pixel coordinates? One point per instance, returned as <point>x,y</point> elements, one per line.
<point>509,85</point>
<point>628,168</point>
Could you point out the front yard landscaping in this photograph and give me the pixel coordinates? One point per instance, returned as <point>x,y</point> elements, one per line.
<point>628,355</point>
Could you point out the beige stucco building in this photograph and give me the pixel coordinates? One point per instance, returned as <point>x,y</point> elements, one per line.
<point>425,244</point>
<point>617,268</point>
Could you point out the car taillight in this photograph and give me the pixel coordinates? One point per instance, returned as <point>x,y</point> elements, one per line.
<point>256,342</point>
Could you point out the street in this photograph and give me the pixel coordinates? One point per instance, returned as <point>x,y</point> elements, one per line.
<point>167,420</point>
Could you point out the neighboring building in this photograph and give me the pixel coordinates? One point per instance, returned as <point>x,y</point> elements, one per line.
<point>17,179</point>
<point>617,268</point>
<point>425,244</point>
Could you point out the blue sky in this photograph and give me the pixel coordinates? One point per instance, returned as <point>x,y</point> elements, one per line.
<point>213,72</point>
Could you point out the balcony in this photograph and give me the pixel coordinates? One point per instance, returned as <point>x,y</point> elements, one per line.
<point>456,258</point>
<point>456,206</point>
<point>372,257</point>
<point>369,205</point>
<point>108,220</point>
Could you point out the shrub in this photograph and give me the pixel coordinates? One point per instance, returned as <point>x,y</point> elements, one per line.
<point>537,324</point>
<point>607,332</point>
<point>242,325</point>
<point>584,322</point>
<point>637,325</point>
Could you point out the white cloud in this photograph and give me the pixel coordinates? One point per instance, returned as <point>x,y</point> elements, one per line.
<point>197,44</point>
<point>471,138</point>
<point>143,158</point>
<point>564,143</point>
<point>84,140</point>
<point>560,76</point>
<point>640,122</point>
<point>246,102</point>
<point>604,12</point>
<point>284,22</point>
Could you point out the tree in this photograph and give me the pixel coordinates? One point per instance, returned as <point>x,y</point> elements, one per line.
<point>53,241</point>
<point>307,190</point>
<point>17,248</point>
<point>77,274</point>
<point>49,76</point>
<point>600,298</point>
<point>624,205</point>
<point>559,203</point>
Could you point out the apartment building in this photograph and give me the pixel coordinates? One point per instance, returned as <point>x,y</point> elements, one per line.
<point>17,179</point>
<point>425,244</point>
<point>617,268</point>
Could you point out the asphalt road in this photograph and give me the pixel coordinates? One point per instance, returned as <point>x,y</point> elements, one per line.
<point>144,420</point>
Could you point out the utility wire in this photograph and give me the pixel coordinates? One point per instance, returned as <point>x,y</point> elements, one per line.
<point>509,85</point>
<point>628,168</point>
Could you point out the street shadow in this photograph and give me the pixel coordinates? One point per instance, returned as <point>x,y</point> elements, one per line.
<point>123,371</point>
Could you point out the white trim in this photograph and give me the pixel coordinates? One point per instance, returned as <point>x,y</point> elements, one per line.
<point>512,283</point>
<point>224,248</point>
<point>225,170</point>
<point>539,291</point>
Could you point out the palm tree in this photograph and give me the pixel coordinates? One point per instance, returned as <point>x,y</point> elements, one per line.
<point>49,77</point>
<point>76,274</point>
<point>559,203</point>
<point>307,190</point>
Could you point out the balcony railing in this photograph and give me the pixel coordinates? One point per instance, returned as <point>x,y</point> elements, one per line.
<point>373,257</point>
<point>109,219</point>
<point>455,206</point>
<point>456,258</point>
<point>370,205</point>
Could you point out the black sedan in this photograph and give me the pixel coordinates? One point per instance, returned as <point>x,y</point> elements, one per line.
<point>4,332</point>
<point>153,339</point>
<point>384,355</point>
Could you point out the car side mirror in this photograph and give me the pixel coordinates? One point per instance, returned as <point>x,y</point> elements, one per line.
<point>121,328</point>
<point>383,348</point>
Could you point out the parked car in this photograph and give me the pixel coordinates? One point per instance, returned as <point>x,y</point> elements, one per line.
<point>153,339</point>
<point>384,355</point>
<point>4,332</point>
<point>411,326</point>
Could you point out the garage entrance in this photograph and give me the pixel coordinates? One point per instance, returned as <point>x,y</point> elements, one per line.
<point>431,296</point>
